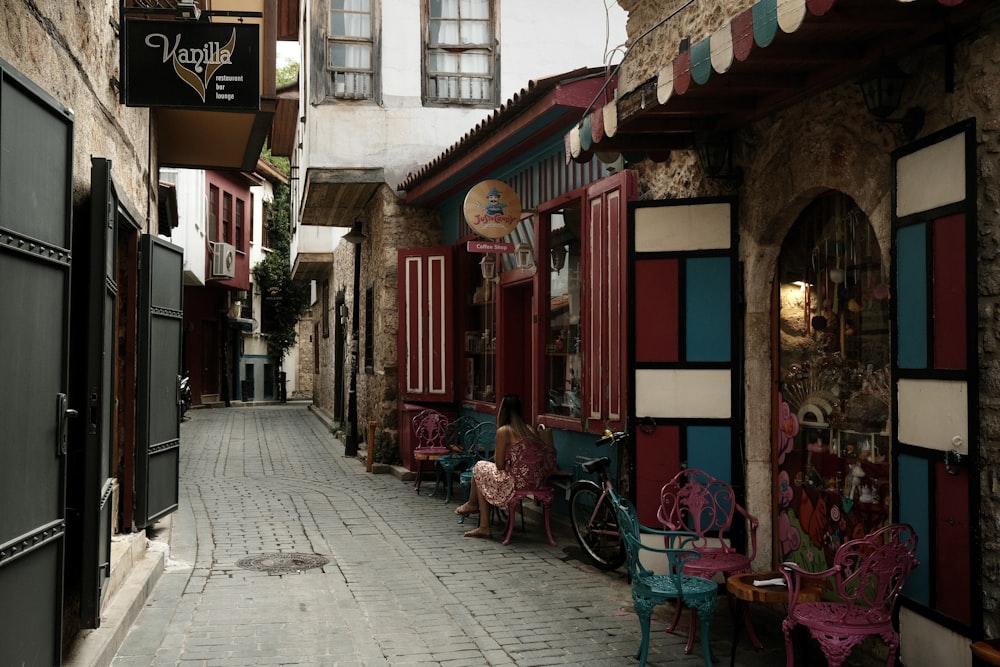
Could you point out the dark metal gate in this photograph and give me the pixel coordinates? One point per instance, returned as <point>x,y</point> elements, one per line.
<point>161,294</point>
<point>36,142</point>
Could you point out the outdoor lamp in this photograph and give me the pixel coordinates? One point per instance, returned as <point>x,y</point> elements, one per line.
<point>715,153</point>
<point>558,257</point>
<point>882,90</point>
<point>522,254</point>
<point>355,235</point>
<point>488,266</point>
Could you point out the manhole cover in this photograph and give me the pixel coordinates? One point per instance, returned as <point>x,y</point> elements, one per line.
<point>282,562</point>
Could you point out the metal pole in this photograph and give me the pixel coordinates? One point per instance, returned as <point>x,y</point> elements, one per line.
<point>351,446</point>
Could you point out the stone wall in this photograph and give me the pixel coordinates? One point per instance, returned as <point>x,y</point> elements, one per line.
<point>391,226</point>
<point>831,142</point>
<point>70,50</point>
<point>305,342</point>
<point>388,225</point>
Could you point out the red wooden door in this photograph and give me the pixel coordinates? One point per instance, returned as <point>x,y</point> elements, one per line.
<point>425,340</point>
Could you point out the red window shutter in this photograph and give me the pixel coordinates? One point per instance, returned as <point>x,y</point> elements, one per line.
<point>606,288</point>
<point>425,338</point>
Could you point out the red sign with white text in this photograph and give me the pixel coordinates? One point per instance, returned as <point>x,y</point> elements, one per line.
<point>489,246</point>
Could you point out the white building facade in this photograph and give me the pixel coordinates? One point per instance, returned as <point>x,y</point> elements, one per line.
<point>384,88</point>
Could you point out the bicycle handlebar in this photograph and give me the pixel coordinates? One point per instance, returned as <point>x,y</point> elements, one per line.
<point>611,438</point>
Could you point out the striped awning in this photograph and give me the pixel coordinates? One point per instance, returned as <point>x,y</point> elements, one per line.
<point>771,55</point>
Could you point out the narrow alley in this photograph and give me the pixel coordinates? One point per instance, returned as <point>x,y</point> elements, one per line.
<point>369,573</point>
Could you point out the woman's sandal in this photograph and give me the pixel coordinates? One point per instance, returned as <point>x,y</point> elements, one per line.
<point>462,510</point>
<point>480,532</point>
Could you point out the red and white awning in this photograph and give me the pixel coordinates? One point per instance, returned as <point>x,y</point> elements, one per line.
<point>772,54</point>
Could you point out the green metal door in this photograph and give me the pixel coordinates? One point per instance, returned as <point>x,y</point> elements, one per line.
<point>161,291</point>
<point>36,142</point>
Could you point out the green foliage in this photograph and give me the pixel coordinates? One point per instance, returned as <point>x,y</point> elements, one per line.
<point>283,299</point>
<point>287,73</point>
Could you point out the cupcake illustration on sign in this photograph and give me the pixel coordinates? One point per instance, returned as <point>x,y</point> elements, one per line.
<point>492,209</point>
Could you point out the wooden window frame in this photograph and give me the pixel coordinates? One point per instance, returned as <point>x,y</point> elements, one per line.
<point>490,48</point>
<point>333,70</point>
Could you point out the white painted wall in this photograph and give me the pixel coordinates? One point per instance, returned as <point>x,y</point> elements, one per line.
<point>537,40</point>
<point>190,233</point>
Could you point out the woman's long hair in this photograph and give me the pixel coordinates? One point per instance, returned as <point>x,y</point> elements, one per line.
<point>510,415</point>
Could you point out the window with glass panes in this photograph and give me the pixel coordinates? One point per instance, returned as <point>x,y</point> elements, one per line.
<point>240,211</point>
<point>460,57</point>
<point>563,350</point>
<point>350,49</point>
<point>227,217</point>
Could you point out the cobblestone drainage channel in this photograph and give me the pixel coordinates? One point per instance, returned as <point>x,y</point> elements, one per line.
<point>282,563</point>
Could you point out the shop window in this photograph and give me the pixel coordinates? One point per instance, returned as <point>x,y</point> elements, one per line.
<point>832,441</point>
<point>460,54</point>
<point>351,49</point>
<point>480,339</point>
<point>563,356</point>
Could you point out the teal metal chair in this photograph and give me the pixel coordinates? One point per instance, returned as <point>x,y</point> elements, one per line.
<point>459,437</point>
<point>650,589</point>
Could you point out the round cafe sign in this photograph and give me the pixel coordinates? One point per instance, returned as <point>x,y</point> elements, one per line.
<point>492,209</point>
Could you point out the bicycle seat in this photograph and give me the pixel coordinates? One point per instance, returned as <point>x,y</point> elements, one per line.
<point>596,465</point>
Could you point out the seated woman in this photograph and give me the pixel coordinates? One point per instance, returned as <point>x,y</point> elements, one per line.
<point>492,483</point>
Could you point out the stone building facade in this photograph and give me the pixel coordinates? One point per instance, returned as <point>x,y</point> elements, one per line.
<point>825,141</point>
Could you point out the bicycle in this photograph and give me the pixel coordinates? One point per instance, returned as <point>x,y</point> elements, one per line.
<point>592,514</point>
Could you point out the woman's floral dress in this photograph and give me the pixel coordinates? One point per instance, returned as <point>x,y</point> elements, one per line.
<point>524,470</point>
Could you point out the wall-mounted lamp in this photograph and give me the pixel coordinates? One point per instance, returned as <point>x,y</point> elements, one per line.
<point>523,256</point>
<point>488,267</point>
<point>355,235</point>
<point>558,253</point>
<point>715,152</point>
<point>882,90</point>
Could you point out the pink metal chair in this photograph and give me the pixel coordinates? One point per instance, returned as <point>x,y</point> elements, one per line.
<point>865,580</point>
<point>429,428</point>
<point>530,466</point>
<point>698,503</point>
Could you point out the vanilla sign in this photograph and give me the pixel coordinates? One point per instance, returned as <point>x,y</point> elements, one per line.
<point>210,66</point>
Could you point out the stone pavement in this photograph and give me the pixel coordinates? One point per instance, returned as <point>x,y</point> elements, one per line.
<point>402,586</point>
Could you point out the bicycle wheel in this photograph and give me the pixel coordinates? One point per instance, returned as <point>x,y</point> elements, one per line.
<point>596,532</point>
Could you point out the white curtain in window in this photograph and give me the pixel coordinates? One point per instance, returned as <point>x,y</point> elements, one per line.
<point>475,9</point>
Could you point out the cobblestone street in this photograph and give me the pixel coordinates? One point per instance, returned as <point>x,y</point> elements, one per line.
<point>402,586</point>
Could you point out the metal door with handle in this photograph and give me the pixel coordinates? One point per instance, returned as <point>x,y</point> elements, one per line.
<point>36,143</point>
<point>161,295</point>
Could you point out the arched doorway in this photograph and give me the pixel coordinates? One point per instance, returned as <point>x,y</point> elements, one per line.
<point>832,441</point>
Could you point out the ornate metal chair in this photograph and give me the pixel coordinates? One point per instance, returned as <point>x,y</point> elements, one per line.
<point>459,438</point>
<point>650,589</point>
<point>429,428</point>
<point>530,466</point>
<point>696,502</point>
<point>484,440</point>
<point>865,580</point>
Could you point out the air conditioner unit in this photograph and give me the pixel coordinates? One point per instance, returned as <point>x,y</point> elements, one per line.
<point>223,260</point>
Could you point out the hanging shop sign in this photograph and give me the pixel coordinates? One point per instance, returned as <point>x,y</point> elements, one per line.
<point>492,209</point>
<point>193,65</point>
<point>489,246</point>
